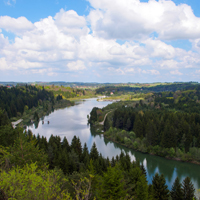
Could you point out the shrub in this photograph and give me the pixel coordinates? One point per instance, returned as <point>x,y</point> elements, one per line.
<point>135,145</point>
<point>171,152</point>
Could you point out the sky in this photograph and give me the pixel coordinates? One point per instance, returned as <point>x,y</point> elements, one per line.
<point>101,41</point>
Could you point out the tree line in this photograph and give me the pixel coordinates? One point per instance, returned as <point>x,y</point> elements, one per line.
<point>14,100</point>
<point>158,88</point>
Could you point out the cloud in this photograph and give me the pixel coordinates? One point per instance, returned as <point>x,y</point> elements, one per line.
<point>152,72</point>
<point>63,44</point>
<point>197,71</point>
<point>136,20</point>
<point>176,72</point>
<point>168,64</point>
<point>76,66</point>
<point>71,23</point>
<point>17,26</point>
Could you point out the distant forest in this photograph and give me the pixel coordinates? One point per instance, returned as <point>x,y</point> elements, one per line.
<point>150,88</point>
<point>14,100</point>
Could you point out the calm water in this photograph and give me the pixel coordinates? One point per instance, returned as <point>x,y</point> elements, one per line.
<point>73,121</point>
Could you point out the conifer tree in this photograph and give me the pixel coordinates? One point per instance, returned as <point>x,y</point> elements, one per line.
<point>160,190</point>
<point>65,145</point>
<point>112,187</point>
<point>138,127</point>
<point>142,188</point>
<point>76,145</point>
<point>176,191</point>
<point>106,124</point>
<point>188,189</point>
<point>168,136</point>
<point>94,154</point>
<point>128,124</point>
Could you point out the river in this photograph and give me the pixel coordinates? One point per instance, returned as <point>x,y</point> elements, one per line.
<point>72,121</point>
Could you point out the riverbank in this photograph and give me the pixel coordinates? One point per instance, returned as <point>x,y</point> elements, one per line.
<point>41,110</point>
<point>168,158</point>
<point>137,145</point>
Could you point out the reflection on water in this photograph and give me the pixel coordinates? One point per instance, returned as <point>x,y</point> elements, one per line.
<point>72,121</point>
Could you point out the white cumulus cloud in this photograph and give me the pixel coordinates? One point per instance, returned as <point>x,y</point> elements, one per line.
<point>17,26</point>
<point>132,19</point>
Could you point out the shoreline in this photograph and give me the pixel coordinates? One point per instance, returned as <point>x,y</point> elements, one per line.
<point>168,158</point>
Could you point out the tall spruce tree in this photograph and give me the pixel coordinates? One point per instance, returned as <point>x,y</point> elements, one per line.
<point>188,189</point>
<point>94,154</point>
<point>142,188</point>
<point>112,186</point>
<point>177,191</point>
<point>160,190</point>
<point>106,124</point>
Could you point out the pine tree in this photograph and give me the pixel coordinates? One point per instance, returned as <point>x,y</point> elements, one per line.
<point>94,154</point>
<point>134,176</point>
<point>138,127</point>
<point>106,124</point>
<point>168,136</point>
<point>76,145</point>
<point>142,188</point>
<point>85,153</point>
<point>152,135</point>
<point>113,162</point>
<point>188,189</point>
<point>176,191</point>
<point>112,187</point>
<point>24,152</point>
<point>128,124</point>
<point>159,187</point>
<point>65,145</point>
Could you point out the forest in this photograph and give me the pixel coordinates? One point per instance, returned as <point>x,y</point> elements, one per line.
<point>33,168</point>
<point>166,124</point>
<point>29,102</point>
<point>14,100</point>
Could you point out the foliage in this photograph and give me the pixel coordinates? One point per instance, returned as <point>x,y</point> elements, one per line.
<point>112,186</point>
<point>15,100</point>
<point>177,191</point>
<point>160,190</point>
<point>188,189</point>
<point>30,182</point>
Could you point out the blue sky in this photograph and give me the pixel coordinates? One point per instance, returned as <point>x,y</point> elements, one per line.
<point>100,40</point>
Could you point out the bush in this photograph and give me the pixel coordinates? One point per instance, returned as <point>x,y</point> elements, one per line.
<point>171,152</point>
<point>195,152</point>
<point>127,141</point>
<point>135,145</point>
<point>132,134</point>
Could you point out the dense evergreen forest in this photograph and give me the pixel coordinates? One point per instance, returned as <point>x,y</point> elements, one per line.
<point>14,100</point>
<point>165,124</point>
<point>33,168</point>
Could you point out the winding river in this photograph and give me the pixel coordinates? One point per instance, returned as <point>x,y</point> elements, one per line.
<point>72,121</point>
